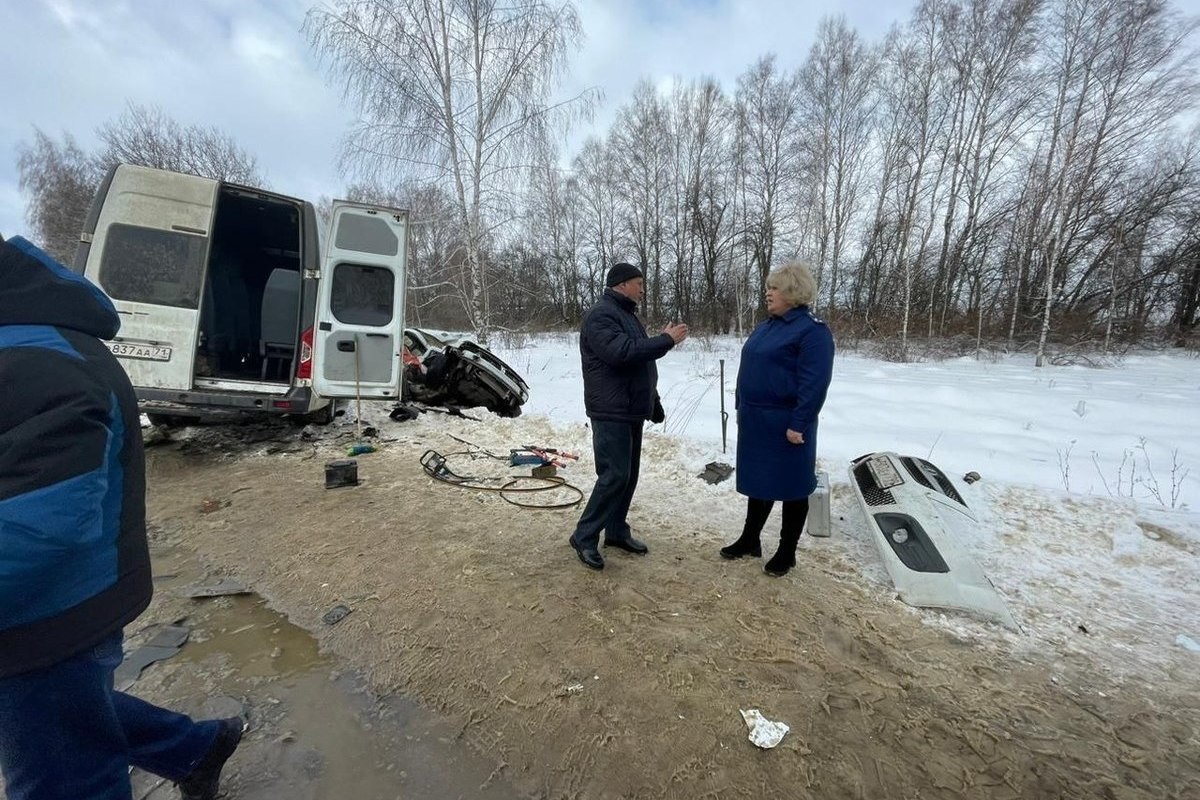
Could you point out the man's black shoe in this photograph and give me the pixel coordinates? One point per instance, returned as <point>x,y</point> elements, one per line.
<point>630,545</point>
<point>202,784</point>
<point>590,556</point>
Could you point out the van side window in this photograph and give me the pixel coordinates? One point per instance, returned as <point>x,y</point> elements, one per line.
<point>362,295</point>
<point>366,235</point>
<point>147,265</point>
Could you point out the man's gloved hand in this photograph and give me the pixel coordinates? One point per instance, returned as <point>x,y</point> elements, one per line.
<point>658,415</point>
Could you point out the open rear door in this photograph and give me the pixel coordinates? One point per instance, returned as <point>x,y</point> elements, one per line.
<point>360,303</point>
<point>148,253</point>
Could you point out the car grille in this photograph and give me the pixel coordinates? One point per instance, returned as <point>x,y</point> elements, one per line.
<point>872,494</point>
<point>914,467</point>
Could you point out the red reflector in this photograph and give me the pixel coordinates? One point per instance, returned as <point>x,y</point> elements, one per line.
<point>282,403</point>
<point>304,369</point>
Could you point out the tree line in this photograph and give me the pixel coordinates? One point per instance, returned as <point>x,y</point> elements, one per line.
<point>1017,171</point>
<point>1023,171</point>
<point>60,178</point>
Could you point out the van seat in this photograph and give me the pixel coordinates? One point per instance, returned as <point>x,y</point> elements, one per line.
<point>280,317</point>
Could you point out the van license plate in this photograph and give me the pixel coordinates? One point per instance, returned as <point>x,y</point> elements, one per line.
<point>145,352</point>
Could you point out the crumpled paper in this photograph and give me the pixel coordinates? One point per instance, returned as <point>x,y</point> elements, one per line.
<point>763,732</point>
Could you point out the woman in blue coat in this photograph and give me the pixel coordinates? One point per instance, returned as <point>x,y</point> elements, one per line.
<point>785,370</point>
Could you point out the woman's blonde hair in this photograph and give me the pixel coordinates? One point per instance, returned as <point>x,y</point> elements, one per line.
<point>795,283</point>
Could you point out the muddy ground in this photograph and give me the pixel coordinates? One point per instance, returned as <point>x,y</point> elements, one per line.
<point>481,660</point>
<point>313,729</point>
<point>565,683</point>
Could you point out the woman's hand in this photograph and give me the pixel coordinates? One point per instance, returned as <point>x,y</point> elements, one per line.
<point>795,437</point>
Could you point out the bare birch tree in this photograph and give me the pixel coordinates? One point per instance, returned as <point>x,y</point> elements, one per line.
<point>1120,77</point>
<point>146,136</point>
<point>767,104</point>
<point>597,181</point>
<point>640,146</point>
<point>703,132</point>
<point>554,226</point>
<point>454,89</point>
<point>59,180</point>
<point>915,116</point>
<point>838,83</point>
<point>989,44</point>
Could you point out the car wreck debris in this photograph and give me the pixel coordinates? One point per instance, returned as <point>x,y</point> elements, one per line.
<point>341,473</point>
<point>457,372</point>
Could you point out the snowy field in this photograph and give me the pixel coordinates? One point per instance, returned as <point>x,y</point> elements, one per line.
<point>1089,498</point>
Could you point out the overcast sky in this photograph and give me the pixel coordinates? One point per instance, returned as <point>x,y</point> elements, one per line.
<point>243,66</point>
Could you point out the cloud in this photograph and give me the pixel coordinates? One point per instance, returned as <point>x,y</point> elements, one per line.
<point>244,67</point>
<point>631,40</point>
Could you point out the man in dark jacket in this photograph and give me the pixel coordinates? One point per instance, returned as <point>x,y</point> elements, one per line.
<point>619,393</point>
<point>74,562</point>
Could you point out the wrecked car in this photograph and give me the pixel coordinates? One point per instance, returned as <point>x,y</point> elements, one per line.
<point>443,369</point>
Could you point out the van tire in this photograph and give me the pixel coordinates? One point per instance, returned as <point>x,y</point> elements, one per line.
<point>322,416</point>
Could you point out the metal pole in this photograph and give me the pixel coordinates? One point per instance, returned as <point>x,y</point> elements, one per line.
<point>724,415</point>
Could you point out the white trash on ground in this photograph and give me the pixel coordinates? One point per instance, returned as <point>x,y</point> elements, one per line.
<point>763,732</point>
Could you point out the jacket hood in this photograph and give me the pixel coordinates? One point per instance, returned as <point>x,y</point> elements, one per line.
<point>37,290</point>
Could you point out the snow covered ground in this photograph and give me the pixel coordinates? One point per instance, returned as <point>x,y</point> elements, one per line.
<point>1089,479</point>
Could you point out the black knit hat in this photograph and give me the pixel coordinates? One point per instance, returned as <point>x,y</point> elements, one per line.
<point>622,272</point>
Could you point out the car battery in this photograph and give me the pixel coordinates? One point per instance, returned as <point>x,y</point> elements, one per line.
<point>544,471</point>
<point>819,523</point>
<point>343,472</point>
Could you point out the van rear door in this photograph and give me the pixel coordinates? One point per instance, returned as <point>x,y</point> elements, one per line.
<point>360,303</point>
<point>149,253</point>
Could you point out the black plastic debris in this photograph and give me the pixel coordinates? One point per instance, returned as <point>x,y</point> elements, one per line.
<point>336,614</point>
<point>404,413</point>
<point>165,643</point>
<point>716,471</point>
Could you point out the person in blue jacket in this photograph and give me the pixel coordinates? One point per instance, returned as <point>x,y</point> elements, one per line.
<point>620,393</point>
<point>785,370</point>
<point>74,561</point>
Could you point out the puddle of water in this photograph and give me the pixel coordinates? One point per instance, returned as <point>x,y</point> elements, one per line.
<point>312,736</point>
<point>256,641</point>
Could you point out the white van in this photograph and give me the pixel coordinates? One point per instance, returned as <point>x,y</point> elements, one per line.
<point>228,304</point>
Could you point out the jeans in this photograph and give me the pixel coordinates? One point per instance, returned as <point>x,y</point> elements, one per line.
<point>65,734</point>
<point>617,447</point>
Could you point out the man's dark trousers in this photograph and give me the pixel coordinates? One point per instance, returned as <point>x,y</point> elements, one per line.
<point>617,447</point>
<point>66,735</point>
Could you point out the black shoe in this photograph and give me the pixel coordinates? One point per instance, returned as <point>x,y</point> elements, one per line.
<point>742,547</point>
<point>590,556</point>
<point>630,545</point>
<point>202,784</point>
<point>780,563</point>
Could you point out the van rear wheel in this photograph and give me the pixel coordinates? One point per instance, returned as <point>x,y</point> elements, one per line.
<point>322,416</point>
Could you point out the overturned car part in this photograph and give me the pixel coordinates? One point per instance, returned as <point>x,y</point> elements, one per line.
<point>922,527</point>
<point>442,369</point>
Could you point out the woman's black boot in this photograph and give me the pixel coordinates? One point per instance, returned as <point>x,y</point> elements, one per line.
<point>785,557</point>
<point>795,512</point>
<point>748,544</point>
